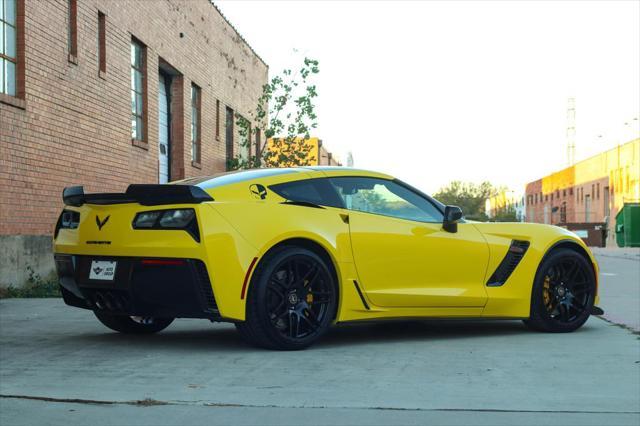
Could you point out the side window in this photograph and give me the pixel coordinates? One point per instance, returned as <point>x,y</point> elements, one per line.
<point>316,191</point>
<point>385,197</point>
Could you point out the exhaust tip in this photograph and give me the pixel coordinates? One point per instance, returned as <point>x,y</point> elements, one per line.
<point>99,301</point>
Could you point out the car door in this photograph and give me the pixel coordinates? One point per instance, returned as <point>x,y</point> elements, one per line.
<point>403,256</point>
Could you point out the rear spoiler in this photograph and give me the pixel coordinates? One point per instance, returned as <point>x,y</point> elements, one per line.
<point>146,195</point>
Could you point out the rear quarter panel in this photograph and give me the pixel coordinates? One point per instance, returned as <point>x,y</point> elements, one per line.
<point>265,224</point>
<point>252,226</point>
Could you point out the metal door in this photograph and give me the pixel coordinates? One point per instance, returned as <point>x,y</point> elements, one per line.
<point>164,127</point>
<point>403,263</point>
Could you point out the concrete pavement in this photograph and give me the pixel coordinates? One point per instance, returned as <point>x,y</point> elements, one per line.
<point>619,252</point>
<point>58,365</point>
<point>65,414</point>
<point>620,289</point>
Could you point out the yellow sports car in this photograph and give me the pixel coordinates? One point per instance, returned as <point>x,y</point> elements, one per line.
<point>286,253</point>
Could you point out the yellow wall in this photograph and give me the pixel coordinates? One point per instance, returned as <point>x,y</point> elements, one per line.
<point>502,200</point>
<point>314,153</point>
<point>621,164</point>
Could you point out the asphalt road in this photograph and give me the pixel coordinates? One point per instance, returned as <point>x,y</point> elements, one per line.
<point>58,365</point>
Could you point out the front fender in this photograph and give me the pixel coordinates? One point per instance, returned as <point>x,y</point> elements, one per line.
<point>513,298</point>
<point>259,226</point>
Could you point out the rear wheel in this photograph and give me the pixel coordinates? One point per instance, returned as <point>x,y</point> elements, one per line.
<point>291,301</point>
<point>133,325</point>
<point>563,293</point>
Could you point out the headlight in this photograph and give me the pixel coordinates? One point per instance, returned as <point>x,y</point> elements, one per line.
<point>168,219</point>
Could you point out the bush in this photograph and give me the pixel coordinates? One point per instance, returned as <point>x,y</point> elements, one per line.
<point>35,287</point>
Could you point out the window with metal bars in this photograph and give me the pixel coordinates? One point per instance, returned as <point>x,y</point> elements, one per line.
<point>138,91</point>
<point>72,29</point>
<point>102,42</point>
<point>8,47</point>
<point>195,124</point>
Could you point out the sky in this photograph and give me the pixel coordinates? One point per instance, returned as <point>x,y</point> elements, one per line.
<point>432,91</point>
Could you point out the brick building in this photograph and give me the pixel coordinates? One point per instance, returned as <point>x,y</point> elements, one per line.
<point>105,93</point>
<point>326,157</point>
<point>591,191</point>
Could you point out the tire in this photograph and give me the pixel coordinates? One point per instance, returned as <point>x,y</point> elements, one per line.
<point>292,300</point>
<point>563,293</point>
<point>133,325</point>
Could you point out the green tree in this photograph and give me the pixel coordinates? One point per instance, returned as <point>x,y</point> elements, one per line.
<point>507,214</point>
<point>287,113</point>
<point>370,200</point>
<point>471,198</point>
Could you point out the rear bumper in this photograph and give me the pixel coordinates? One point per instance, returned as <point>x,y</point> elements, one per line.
<point>154,287</point>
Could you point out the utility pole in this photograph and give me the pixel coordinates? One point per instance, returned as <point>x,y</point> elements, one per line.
<point>571,131</point>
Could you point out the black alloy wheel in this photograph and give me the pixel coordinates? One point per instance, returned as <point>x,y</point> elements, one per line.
<point>563,294</point>
<point>291,301</point>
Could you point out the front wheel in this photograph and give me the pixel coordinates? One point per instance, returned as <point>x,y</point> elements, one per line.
<point>563,293</point>
<point>133,325</point>
<point>291,302</point>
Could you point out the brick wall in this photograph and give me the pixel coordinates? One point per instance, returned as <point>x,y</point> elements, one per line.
<point>610,179</point>
<point>572,198</point>
<point>74,125</point>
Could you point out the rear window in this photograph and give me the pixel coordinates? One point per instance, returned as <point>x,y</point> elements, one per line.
<point>316,191</point>
<point>228,178</point>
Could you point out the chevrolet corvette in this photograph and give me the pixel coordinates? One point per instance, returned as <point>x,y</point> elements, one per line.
<point>284,254</point>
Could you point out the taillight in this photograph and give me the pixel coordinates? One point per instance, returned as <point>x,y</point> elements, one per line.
<point>173,219</point>
<point>68,219</point>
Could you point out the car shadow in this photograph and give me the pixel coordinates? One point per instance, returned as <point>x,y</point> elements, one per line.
<point>224,338</point>
<point>170,340</point>
<point>418,330</point>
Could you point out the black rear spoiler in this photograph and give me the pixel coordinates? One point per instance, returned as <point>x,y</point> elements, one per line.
<point>147,195</point>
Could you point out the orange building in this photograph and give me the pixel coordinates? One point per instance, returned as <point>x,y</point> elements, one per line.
<point>591,191</point>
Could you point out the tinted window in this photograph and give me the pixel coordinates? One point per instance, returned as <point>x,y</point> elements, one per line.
<point>385,197</point>
<point>316,191</point>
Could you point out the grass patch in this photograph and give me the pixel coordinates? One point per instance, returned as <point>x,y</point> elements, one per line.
<point>35,287</point>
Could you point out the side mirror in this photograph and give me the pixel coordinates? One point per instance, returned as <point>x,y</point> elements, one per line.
<point>452,214</point>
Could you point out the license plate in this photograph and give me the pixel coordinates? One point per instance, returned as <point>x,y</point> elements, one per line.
<point>104,270</point>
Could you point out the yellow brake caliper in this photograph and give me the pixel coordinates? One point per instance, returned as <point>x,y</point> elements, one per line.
<point>546,292</point>
<point>309,295</point>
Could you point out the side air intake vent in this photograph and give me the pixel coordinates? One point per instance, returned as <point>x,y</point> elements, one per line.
<point>506,267</point>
